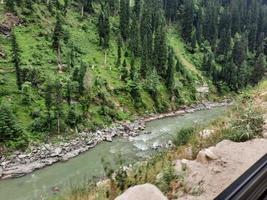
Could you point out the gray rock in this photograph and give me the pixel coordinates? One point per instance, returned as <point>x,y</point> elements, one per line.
<point>22,156</point>
<point>58,150</point>
<point>108,138</point>
<point>142,192</point>
<point>1,172</point>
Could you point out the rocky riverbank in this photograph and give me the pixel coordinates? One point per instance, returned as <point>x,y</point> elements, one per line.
<point>37,157</point>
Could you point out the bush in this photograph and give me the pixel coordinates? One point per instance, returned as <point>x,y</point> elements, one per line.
<point>183,136</point>
<point>246,126</point>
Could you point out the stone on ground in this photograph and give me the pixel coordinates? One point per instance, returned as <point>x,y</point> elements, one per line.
<point>142,192</point>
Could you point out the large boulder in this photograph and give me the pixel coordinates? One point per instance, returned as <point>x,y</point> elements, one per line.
<point>205,155</point>
<point>142,192</point>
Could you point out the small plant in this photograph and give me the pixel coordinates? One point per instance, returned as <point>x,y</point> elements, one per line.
<point>183,136</point>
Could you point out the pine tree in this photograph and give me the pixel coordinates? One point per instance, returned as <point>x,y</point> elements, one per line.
<point>239,53</point>
<point>170,71</point>
<point>259,69</point>
<point>160,48</point>
<point>104,27</point>
<point>124,18</point>
<point>146,35</point>
<point>124,71</point>
<point>135,37</point>
<point>224,46</point>
<point>113,6</point>
<point>119,51</point>
<point>16,60</point>
<point>69,92</point>
<point>82,72</point>
<point>137,8</point>
<point>71,56</point>
<point>57,34</point>
<point>10,4</point>
<point>86,6</point>
<point>72,118</point>
<point>133,71</point>
<point>187,21</point>
<point>9,128</point>
<point>170,7</point>
<point>28,5</point>
<point>58,104</point>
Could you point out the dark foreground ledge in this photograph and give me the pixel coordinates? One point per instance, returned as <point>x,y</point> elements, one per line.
<point>252,185</point>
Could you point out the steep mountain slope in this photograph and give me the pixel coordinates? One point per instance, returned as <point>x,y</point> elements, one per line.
<point>107,96</point>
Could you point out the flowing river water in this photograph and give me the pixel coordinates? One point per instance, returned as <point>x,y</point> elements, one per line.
<point>39,184</point>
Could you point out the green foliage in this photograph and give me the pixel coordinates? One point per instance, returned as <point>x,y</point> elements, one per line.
<point>11,134</point>
<point>57,34</point>
<point>183,136</point>
<point>246,126</point>
<point>124,18</point>
<point>16,60</point>
<point>104,27</point>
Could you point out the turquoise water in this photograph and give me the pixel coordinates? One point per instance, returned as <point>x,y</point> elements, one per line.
<point>39,184</point>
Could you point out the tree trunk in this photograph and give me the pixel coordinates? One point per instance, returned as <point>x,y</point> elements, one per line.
<point>58,125</point>
<point>105,57</point>
<point>59,59</point>
<point>82,11</point>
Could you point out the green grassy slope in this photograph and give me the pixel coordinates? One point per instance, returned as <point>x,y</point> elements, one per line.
<point>34,40</point>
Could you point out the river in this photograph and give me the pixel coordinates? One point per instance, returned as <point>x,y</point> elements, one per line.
<point>38,185</point>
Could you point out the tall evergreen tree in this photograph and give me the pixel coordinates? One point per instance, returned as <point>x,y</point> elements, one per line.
<point>119,47</point>
<point>9,128</point>
<point>124,18</point>
<point>10,4</point>
<point>170,71</point>
<point>160,48</point>
<point>57,34</point>
<point>137,8</point>
<point>16,60</point>
<point>259,69</point>
<point>58,105</point>
<point>104,27</point>
<point>187,21</point>
<point>146,35</point>
<point>135,37</point>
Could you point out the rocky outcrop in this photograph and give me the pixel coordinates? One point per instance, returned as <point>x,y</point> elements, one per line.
<point>8,22</point>
<point>205,155</point>
<point>142,192</point>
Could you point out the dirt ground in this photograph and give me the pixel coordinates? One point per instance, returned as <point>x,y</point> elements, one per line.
<point>209,179</point>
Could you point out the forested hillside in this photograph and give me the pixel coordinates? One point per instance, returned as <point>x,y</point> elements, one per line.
<point>67,65</point>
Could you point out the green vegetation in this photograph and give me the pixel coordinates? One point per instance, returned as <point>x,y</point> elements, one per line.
<point>75,65</point>
<point>183,136</point>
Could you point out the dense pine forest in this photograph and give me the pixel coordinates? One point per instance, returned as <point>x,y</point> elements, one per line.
<point>67,65</point>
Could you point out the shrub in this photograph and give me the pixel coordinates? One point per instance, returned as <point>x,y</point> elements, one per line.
<point>183,136</point>
<point>246,126</point>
